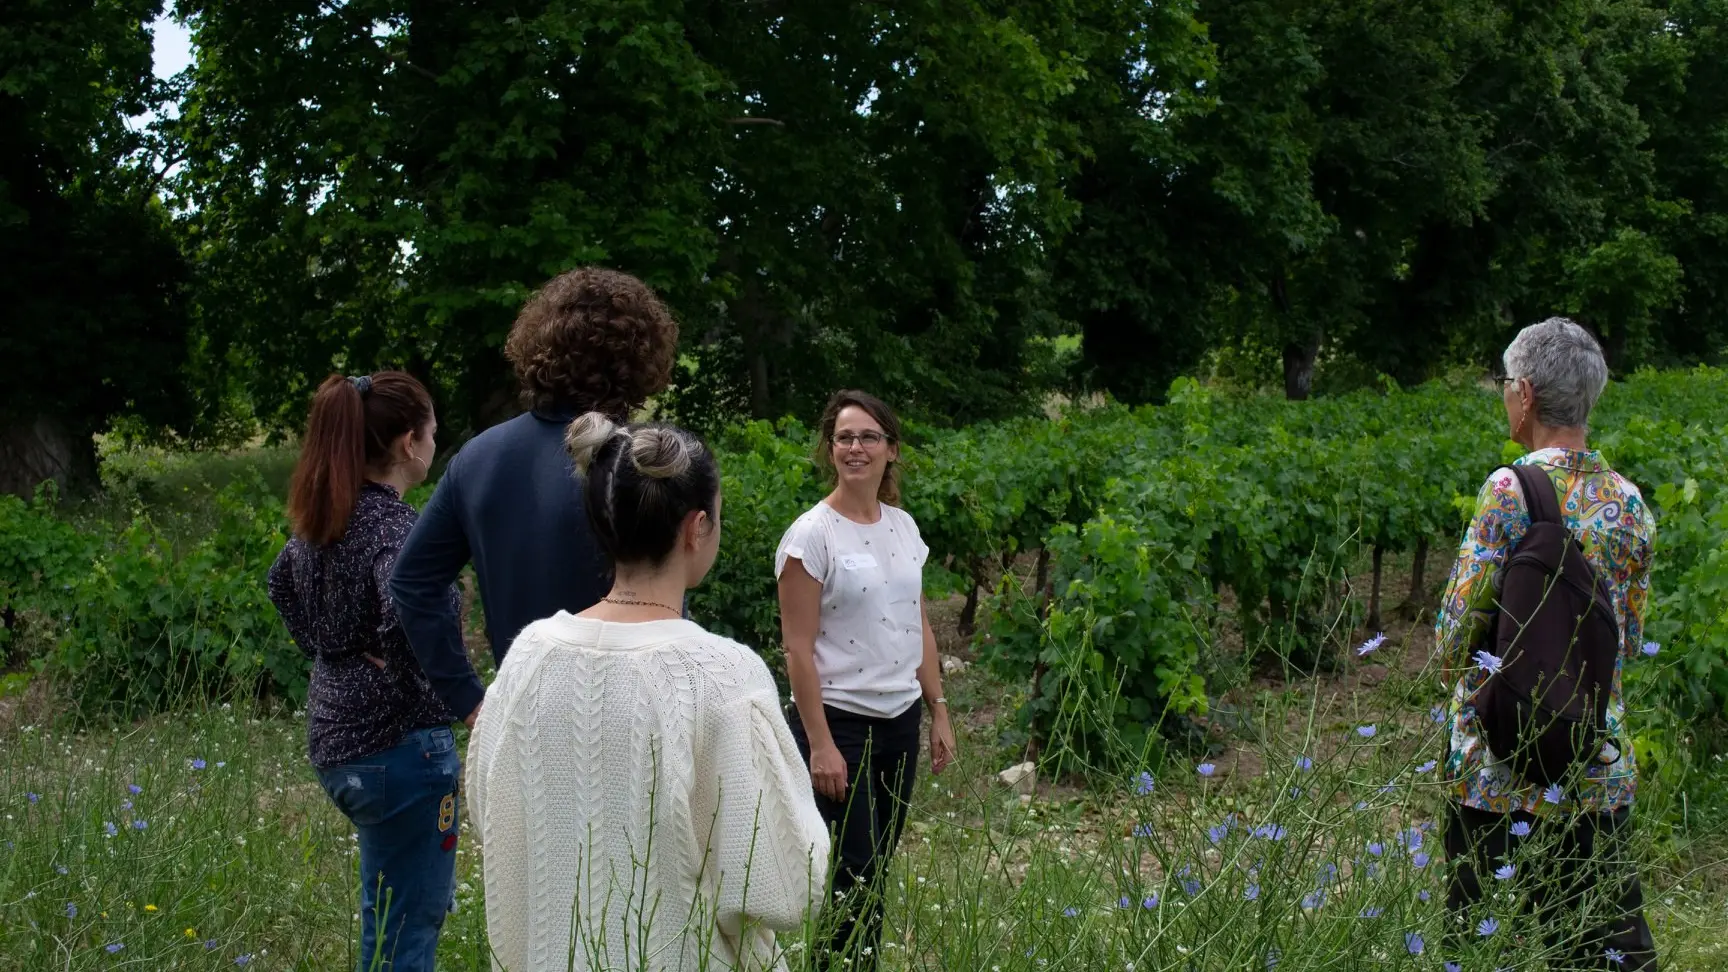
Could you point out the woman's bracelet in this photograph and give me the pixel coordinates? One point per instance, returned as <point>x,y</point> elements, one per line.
<point>939,700</point>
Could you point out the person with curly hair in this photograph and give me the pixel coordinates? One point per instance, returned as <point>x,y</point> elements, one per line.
<point>591,340</point>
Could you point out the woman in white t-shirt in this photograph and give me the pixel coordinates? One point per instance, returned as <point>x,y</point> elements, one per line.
<point>860,655</point>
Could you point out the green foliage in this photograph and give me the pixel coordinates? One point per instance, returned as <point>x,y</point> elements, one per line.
<point>766,481</point>
<point>149,626</point>
<point>91,277</point>
<point>41,555</point>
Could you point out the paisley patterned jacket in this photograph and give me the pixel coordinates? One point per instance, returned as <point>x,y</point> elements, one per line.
<point>1608,514</point>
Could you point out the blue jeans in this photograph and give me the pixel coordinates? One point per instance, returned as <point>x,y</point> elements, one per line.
<point>402,801</point>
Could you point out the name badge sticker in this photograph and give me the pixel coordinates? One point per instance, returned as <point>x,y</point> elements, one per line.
<point>861,561</point>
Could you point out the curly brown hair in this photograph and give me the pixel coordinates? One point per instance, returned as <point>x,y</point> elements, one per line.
<point>593,340</point>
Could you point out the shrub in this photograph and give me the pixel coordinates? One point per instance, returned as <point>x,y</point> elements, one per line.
<point>147,626</point>
<point>41,556</point>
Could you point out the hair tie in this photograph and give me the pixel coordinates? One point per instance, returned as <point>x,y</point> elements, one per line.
<point>362,384</point>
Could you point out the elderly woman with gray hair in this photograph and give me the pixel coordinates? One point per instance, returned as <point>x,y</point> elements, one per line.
<point>1575,875</point>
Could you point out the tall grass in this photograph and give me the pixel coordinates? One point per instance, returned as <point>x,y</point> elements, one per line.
<point>201,841</point>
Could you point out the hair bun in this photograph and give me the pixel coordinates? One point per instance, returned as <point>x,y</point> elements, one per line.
<point>585,436</point>
<point>660,453</point>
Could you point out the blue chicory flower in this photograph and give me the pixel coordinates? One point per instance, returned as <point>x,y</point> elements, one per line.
<point>1304,764</point>
<point>1124,902</point>
<point>1651,648</point>
<point>1149,902</point>
<point>113,947</point>
<point>1376,848</point>
<point>1486,927</point>
<point>1420,860</point>
<point>1367,732</point>
<point>1615,955</point>
<point>1554,794</point>
<point>1488,662</point>
<point>1521,828</point>
<point>1413,943</point>
<point>1504,872</point>
<point>1372,912</point>
<point>134,789</point>
<point>71,910</point>
<point>1251,892</point>
<point>1369,646</point>
<point>140,824</point>
<point>1144,830</point>
<point>1206,769</point>
<point>109,828</point>
<point>1070,912</point>
<point>32,797</point>
<point>1144,783</point>
<point>1427,767</point>
<point>198,764</point>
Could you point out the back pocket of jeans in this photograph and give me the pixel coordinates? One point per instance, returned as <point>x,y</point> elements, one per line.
<point>357,791</point>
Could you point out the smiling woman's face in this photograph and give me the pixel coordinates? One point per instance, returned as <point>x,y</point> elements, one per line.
<point>861,450</point>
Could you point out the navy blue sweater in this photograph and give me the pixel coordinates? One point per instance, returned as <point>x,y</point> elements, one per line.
<point>510,502</point>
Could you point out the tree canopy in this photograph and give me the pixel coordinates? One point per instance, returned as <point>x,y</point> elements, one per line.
<point>936,199</point>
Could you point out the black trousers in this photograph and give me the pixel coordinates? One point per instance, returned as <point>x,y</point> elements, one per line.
<point>881,766</point>
<point>1579,883</point>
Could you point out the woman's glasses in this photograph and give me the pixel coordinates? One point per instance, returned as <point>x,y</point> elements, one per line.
<point>868,440</point>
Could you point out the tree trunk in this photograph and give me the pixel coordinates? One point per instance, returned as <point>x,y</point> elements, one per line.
<point>968,623</point>
<point>39,448</point>
<point>1416,601</point>
<point>1299,368</point>
<point>1373,621</point>
<point>759,383</point>
<point>1046,593</point>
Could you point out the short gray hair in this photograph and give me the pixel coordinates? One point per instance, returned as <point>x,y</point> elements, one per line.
<point>1565,367</point>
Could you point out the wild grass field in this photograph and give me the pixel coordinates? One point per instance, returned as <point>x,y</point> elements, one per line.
<point>200,840</point>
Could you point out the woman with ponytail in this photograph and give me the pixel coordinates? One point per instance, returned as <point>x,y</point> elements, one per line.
<point>378,736</point>
<point>638,794</point>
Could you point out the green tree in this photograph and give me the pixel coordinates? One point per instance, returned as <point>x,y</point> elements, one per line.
<point>90,276</point>
<point>854,193</point>
<point>385,182</point>
<point>1688,118</point>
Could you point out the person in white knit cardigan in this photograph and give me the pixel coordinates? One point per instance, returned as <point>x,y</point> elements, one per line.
<point>639,799</point>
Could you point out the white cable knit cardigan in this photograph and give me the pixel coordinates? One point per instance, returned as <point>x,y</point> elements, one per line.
<point>640,778</point>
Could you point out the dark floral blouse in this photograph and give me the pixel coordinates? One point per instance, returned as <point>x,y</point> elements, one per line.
<point>335,601</point>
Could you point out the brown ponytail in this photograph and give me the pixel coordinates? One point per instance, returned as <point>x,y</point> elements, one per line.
<point>352,424</point>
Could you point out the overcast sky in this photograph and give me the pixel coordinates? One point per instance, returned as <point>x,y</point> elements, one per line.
<point>173,47</point>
